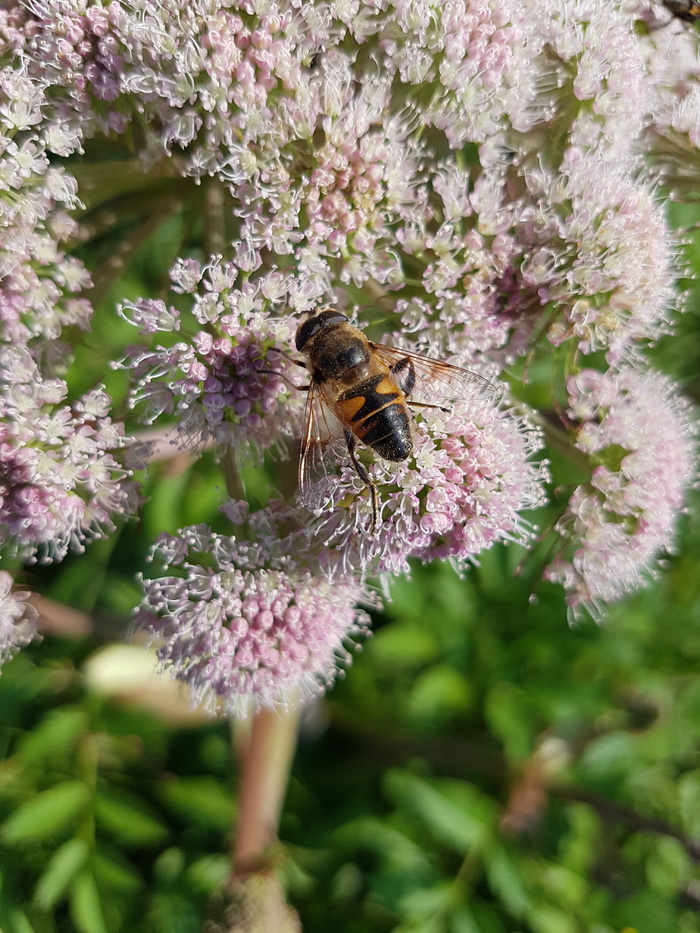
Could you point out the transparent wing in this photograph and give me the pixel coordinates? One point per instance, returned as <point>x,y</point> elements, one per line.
<point>435,381</point>
<point>321,444</point>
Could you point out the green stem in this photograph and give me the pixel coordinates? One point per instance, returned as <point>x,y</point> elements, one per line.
<point>114,266</point>
<point>561,440</point>
<point>235,486</point>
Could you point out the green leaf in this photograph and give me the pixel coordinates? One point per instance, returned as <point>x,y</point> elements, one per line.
<point>62,868</point>
<point>114,871</point>
<point>608,757</point>
<point>464,921</point>
<point>567,888</point>
<point>510,715</point>
<point>646,912</point>
<point>547,919</point>
<point>440,693</point>
<point>56,733</point>
<point>426,902</point>
<point>689,802</point>
<point>505,880</point>
<point>488,920</point>
<point>169,866</point>
<point>397,852</point>
<point>46,814</point>
<point>581,849</point>
<point>172,913</point>
<point>456,813</point>
<point>404,645</point>
<point>346,885</point>
<point>18,922</point>
<point>209,873</point>
<point>668,867</point>
<point>128,819</point>
<point>86,906</point>
<point>201,800</point>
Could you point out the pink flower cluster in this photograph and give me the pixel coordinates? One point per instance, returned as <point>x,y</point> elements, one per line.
<point>464,489</point>
<point>468,176</point>
<point>62,478</point>
<point>637,430</point>
<point>243,619</point>
<point>229,383</point>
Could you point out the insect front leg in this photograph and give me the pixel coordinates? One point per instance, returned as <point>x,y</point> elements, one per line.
<point>287,381</point>
<point>287,356</point>
<point>364,476</point>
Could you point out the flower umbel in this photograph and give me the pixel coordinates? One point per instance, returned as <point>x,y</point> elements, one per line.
<point>464,489</point>
<point>60,481</point>
<point>18,619</point>
<point>244,617</point>
<point>638,434</point>
<point>469,176</point>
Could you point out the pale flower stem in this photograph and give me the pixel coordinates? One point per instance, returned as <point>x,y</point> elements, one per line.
<point>214,232</point>
<point>266,759</point>
<point>265,747</point>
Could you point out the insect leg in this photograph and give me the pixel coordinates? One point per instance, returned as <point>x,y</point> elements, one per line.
<point>286,356</point>
<point>364,475</point>
<point>405,373</point>
<point>426,405</point>
<point>285,379</point>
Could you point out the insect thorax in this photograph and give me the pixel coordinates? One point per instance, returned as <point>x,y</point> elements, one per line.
<point>345,360</point>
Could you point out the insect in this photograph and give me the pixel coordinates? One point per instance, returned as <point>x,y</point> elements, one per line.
<point>367,388</point>
<point>687,10</point>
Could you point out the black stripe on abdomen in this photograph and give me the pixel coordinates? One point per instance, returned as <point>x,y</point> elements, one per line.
<point>387,432</point>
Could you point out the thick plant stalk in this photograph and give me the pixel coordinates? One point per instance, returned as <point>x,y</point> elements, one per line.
<point>264,745</point>
<point>254,901</point>
<point>266,759</point>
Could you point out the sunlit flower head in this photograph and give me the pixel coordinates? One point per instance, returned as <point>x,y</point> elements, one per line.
<point>464,488</point>
<point>642,443</point>
<point>63,478</point>
<point>18,619</point>
<point>262,618</point>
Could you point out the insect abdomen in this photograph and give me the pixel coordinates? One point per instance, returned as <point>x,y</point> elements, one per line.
<point>376,413</point>
<point>388,433</point>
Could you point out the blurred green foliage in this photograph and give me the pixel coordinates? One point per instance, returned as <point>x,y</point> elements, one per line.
<point>482,768</point>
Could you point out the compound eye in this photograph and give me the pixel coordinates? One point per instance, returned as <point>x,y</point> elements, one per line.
<point>313,325</point>
<point>331,316</point>
<point>306,331</point>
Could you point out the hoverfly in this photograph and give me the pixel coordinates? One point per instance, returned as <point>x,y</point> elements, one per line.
<point>686,10</point>
<point>367,388</point>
